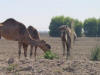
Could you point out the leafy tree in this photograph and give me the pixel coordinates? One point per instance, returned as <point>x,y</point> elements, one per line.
<point>98,28</point>
<point>61,20</point>
<point>90,27</point>
<point>54,24</point>
<point>68,21</point>
<point>78,27</point>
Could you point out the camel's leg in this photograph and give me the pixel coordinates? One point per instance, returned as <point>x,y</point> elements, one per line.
<point>25,49</point>
<point>31,51</point>
<point>19,46</point>
<point>63,44</point>
<point>35,52</point>
<point>68,49</point>
<point>0,35</point>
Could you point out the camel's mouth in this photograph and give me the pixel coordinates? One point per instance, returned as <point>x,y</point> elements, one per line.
<point>47,50</point>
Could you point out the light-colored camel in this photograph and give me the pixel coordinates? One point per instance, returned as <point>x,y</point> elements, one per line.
<point>16,31</point>
<point>66,38</point>
<point>35,35</point>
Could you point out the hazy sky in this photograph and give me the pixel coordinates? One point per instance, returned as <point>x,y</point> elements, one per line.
<point>38,13</point>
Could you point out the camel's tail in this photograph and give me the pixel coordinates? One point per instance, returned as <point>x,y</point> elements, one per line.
<point>0,29</point>
<point>1,26</point>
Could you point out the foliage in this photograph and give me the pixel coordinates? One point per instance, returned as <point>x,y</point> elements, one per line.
<point>68,21</point>
<point>54,24</point>
<point>98,28</point>
<point>78,27</point>
<point>95,54</point>
<point>90,27</point>
<point>50,55</point>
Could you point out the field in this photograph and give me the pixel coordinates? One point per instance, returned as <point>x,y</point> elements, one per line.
<point>78,64</point>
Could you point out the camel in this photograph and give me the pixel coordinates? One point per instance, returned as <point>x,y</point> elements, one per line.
<point>11,29</point>
<point>66,38</point>
<point>34,35</point>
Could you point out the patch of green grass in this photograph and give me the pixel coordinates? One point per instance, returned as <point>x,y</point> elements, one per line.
<point>11,67</point>
<point>50,55</point>
<point>95,54</point>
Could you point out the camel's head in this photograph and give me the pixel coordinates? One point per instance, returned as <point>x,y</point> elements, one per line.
<point>44,46</point>
<point>63,28</point>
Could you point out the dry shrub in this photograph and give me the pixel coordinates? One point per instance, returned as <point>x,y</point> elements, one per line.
<point>95,54</point>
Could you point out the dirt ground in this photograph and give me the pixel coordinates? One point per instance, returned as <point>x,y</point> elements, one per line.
<point>78,64</point>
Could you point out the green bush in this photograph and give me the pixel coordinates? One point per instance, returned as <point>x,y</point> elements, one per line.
<point>54,25</point>
<point>50,55</point>
<point>98,27</point>
<point>78,27</point>
<point>95,54</point>
<point>90,27</point>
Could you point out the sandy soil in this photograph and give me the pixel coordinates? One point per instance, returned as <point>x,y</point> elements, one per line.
<point>78,64</point>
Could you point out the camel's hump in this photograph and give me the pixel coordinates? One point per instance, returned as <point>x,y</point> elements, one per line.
<point>10,20</point>
<point>13,23</point>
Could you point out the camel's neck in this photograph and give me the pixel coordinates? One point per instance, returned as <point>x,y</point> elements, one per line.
<point>68,35</point>
<point>33,42</point>
<point>28,40</point>
<point>63,35</point>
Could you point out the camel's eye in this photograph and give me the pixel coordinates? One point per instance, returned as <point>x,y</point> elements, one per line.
<point>48,46</point>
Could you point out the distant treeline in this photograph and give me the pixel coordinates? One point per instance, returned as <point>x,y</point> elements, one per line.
<point>90,27</point>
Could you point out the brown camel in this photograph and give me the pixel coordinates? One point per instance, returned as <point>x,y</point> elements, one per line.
<point>16,31</point>
<point>66,38</point>
<point>34,35</point>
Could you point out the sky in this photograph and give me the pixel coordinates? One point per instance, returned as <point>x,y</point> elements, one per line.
<point>39,13</point>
